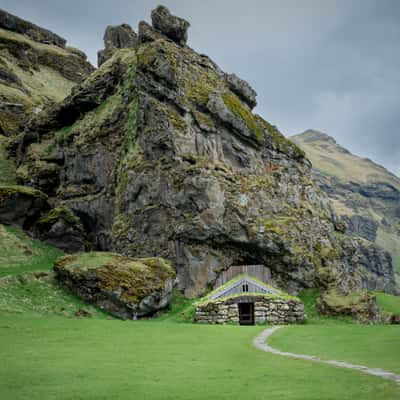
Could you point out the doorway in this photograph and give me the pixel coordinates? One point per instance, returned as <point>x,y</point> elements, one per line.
<point>246,313</point>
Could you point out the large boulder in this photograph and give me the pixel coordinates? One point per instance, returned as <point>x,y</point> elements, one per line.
<point>360,305</point>
<point>125,287</point>
<point>175,28</point>
<point>116,37</point>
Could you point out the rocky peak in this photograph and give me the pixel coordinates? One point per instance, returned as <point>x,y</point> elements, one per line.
<point>175,28</point>
<point>15,24</point>
<point>116,37</point>
<point>312,135</point>
<point>158,153</point>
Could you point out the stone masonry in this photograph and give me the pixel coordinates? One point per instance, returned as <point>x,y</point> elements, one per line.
<point>273,311</point>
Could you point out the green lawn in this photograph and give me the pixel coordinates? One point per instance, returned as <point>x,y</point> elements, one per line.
<point>373,346</point>
<point>388,303</point>
<point>60,358</point>
<point>47,353</point>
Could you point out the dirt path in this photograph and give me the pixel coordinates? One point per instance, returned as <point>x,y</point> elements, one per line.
<point>261,343</point>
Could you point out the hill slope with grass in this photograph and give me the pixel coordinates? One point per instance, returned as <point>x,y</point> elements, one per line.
<point>364,194</point>
<point>36,68</point>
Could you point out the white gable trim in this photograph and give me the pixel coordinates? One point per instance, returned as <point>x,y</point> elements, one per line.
<point>244,280</point>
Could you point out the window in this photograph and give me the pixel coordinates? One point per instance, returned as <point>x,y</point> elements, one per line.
<point>245,287</point>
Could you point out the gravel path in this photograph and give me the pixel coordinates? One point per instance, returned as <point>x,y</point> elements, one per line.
<point>261,343</point>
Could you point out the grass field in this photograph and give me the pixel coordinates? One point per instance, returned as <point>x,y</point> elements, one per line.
<point>47,353</point>
<point>374,346</point>
<point>59,358</point>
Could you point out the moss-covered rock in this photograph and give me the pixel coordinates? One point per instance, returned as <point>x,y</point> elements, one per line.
<point>361,305</point>
<point>125,287</point>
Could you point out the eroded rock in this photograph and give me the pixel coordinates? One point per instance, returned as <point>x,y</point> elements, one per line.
<point>175,28</point>
<point>116,37</point>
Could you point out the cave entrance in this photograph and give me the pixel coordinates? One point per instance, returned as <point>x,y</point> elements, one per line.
<point>246,313</point>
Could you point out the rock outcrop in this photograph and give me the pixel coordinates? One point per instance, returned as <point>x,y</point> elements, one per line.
<point>18,25</point>
<point>365,198</point>
<point>158,153</point>
<point>116,37</point>
<point>124,287</point>
<point>61,228</point>
<point>173,27</point>
<point>36,68</point>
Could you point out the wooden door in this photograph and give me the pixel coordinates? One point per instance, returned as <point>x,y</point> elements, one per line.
<point>246,313</point>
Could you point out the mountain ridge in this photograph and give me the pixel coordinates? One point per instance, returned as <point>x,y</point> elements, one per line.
<point>367,200</point>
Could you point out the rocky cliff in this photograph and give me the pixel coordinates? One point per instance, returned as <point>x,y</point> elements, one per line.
<point>158,153</point>
<point>36,68</point>
<point>366,199</point>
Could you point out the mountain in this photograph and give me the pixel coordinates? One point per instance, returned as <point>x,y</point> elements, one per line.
<point>364,195</point>
<point>36,69</point>
<point>158,153</point>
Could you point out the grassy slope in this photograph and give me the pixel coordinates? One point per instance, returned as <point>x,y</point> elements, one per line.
<point>31,295</point>
<point>333,160</point>
<point>55,358</point>
<point>19,253</point>
<point>45,83</point>
<point>388,303</point>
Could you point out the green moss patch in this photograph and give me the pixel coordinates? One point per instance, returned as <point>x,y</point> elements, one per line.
<point>281,144</point>
<point>244,113</point>
<point>60,213</point>
<point>9,191</point>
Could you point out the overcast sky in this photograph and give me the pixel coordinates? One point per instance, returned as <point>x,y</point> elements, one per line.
<point>330,65</point>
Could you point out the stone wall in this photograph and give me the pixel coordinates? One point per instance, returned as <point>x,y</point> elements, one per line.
<point>274,311</point>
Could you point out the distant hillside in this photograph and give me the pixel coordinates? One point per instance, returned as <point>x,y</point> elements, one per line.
<point>364,194</point>
<point>36,68</point>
